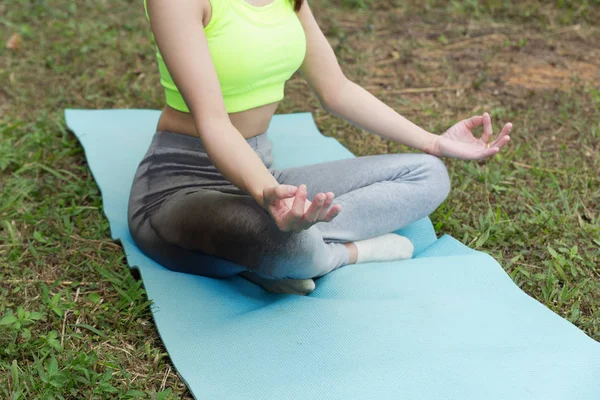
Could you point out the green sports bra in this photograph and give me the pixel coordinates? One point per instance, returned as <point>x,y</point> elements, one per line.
<point>255,50</point>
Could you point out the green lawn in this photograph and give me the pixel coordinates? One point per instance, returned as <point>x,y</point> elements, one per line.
<point>74,323</point>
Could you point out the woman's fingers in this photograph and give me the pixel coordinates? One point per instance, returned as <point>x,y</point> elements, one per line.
<point>328,200</point>
<point>503,137</point>
<point>494,147</point>
<point>297,210</point>
<point>299,217</point>
<point>484,153</point>
<point>473,122</point>
<point>312,214</point>
<point>317,211</point>
<point>279,192</point>
<point>324,207</point>
<point>332,213</point>
<point>487,128</point>
<point>320,210</point>
<point>300,214</point>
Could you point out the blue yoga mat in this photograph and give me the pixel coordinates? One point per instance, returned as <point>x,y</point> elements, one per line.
<point>448,324</point>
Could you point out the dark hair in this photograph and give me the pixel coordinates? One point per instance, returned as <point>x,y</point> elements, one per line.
<point>297,4</point>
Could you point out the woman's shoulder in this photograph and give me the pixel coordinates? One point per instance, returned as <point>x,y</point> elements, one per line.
<point>208,7</point>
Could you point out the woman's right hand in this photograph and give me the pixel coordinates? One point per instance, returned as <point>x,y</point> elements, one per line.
<point>292,212</point>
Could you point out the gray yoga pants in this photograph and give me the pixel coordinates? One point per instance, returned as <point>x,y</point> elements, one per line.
<point>186,216</point>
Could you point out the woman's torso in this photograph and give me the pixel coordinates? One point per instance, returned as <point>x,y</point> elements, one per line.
<point>249,123</point>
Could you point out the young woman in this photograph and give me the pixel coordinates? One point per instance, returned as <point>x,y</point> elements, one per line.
<point>206,199</point>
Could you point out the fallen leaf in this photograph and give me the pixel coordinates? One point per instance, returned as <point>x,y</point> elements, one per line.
<point>14,42</point>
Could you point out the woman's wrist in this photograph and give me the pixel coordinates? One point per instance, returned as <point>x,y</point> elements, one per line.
<point>258,193</point>
<point>432,145</point>
<point>259,198</point>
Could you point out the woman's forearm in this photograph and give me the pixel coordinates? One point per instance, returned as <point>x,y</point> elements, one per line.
<point>235,159</point>
<point>181,39</point>
<point>361,108</point>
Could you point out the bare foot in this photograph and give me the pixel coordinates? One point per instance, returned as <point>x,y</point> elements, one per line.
<point>283,286</point>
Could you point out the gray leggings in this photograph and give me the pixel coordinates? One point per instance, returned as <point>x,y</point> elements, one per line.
<point>186,216</point>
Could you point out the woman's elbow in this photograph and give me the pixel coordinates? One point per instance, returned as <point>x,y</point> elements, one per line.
<point>331,94</point>
<point>208,124</point>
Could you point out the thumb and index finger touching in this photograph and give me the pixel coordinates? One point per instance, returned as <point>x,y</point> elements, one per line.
<point>479,120</point>
<point>488,132</point>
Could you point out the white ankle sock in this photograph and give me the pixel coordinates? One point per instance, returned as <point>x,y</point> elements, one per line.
<point>384,248</point>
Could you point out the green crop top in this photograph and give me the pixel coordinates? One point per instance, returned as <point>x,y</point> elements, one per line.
<point>255,50</point>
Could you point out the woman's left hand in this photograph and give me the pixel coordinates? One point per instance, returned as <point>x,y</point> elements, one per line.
<point>459,142</point>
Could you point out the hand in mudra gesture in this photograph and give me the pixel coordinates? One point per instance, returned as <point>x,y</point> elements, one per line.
<point>459,142</point>
<point>292,212</point>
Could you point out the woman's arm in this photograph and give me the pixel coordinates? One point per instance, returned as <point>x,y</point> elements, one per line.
<point>179,33</point>
<point>346,99</point>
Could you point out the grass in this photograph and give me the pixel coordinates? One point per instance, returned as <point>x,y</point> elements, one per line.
<point>75,323</point>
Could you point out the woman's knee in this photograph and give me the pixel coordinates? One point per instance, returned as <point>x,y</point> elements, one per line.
<point>437,176</point>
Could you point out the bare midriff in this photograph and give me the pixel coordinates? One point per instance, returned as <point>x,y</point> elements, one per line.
<point>249,123</point>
